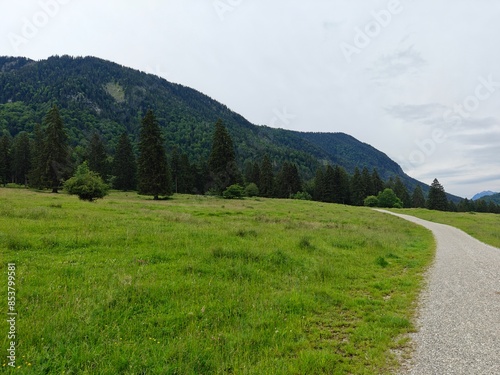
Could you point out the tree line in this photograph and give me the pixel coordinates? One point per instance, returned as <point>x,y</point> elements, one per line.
<point>44,160</point>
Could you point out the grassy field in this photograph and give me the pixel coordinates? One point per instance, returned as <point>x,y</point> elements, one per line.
<point>201,285</point>
<point>484,227</point>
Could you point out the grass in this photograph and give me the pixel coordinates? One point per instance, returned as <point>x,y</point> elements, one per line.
<point>200,285</point>
<point>483,226</point>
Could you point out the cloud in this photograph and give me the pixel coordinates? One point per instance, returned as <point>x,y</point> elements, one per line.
<point>401,62</point>
<point>416,112</point>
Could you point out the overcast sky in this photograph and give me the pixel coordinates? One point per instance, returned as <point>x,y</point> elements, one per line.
<point>419,80</point>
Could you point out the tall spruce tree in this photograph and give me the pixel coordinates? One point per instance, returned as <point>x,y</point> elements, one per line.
<point>377,183</point>
<point>417,198</point>
<point>21,158</point>
<point>266,187</point>
<point>124,167</point>
<point>35,176</point>
<point>288,181</point>
<point>222,161</point>
<point>5,160</point>
<point>402,192</point>
<point>55,155</point>
<point>97,157</point>
<point>319,185</point>
<point>437,199</point>
<point>358,188</point>
<point>341,186</point>
<point>153,170</point>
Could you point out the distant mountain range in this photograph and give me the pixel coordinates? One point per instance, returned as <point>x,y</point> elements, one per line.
<point>483,194</point>
<point>98,95</point>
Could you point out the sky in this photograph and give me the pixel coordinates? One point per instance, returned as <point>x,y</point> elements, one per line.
<point>417,79</point>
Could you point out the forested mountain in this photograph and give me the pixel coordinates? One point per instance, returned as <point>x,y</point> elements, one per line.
<point>95,95</point>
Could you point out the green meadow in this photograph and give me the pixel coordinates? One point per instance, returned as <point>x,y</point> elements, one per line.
<point>202,285</point>
<point>483,226</point>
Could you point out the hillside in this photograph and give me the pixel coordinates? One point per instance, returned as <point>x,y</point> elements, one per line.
<point>495,198</point>
<point>94,94</point>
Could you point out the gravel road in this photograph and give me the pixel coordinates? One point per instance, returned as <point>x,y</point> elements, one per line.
<point>459,313</point>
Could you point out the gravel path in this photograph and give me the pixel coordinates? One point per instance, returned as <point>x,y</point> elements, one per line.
<point>459,315</point>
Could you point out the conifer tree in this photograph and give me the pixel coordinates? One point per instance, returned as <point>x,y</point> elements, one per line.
<point>266,187</point>
<point>341,186</point>
<point>124,165</point>
<point>357,189</point>
<point>319,185</point>
<point>5,160</point>
<point>366,178</point>
<point>35,175</point>
<point>402,192</point>
<point>288,181</point>
<point>55,155</point>
<point>330,193</point>
<point>437,199</point>
<point>417,198</point>
<point>21,158</point>
<point>222,160</point>
<point>377,183</point>
<point>153,171</point>
<point>255,177</point>
<point>97,157</point>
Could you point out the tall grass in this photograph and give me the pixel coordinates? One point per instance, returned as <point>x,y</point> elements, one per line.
<point>199,285</point>
<point>483,226</point>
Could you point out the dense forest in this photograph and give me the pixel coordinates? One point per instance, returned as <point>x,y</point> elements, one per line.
<point>45,159</point>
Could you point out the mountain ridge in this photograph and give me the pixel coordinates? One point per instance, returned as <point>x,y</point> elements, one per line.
<point>99,95</point>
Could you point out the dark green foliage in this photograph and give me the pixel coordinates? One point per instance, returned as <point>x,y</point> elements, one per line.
<point>341,185</point>
<point>222,161</point>
<point>35,176</point>
<point>235,191</point>
<point>417,198</point>
<point>97,157</point>
<point>288,181</point>
<point>153,171</point>
<point>55,155</point>
<point>377,183</point>
<point>87,184</point>
<point>302,195</point>
<point>358,189</point>
<point>5,160</point>
<point>21,158</point>
<point>437,199</point>
<point>124,168</point>
<point>267,182</point>
<point>402,192</point>
<point>319,185</point>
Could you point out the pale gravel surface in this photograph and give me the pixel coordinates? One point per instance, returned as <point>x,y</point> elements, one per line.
<point>459,312</point>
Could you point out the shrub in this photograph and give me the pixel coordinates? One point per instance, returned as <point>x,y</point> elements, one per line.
<point>302,195</point>
<point>388,198</point>
<point>371,201</point>
<point>251,190</point>
<point>87,184</point>
<point>233,192</point>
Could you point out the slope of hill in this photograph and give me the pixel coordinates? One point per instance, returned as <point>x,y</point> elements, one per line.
<point>495,198</point>
<point>98,95</point>
<point>483,194</point>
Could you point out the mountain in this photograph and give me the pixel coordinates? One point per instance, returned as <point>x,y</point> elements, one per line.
<point>98,95</point>
<point>482,194</point>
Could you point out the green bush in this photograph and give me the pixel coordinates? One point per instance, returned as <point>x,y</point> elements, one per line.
<point>233,192</point>
<point>251,190</point>
<point>87,184</point>
<point>302,195</point>
<point>388,198</point>
<point>371,201</point>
